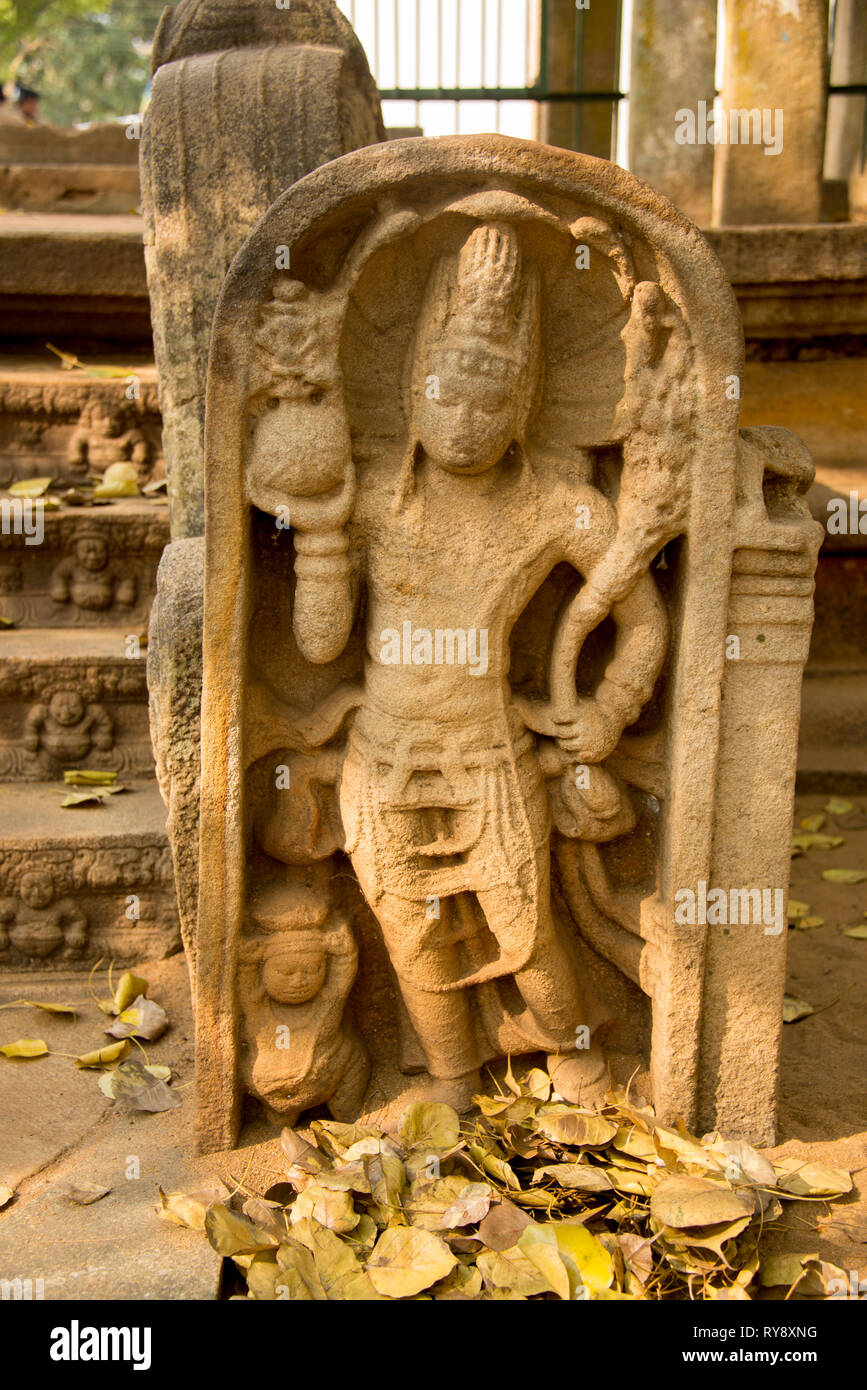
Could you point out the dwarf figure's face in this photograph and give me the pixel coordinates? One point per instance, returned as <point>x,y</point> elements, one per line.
<point>92,553</point>
<point>469,416</point>
<point>37,890</point>
<point>294,974</point>
<point>66,708</point>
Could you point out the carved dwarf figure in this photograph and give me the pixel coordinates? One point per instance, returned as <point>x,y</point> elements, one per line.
<point>67,729</point>
<point>443,795</point>
<point>104,436</point>
<point>299,962</point>
<point>37,925</point>
<point>90,579</point>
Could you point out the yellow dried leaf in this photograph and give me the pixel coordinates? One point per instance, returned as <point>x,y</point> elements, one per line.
<point>30,487</point>
<point>129,988</point>
<point>229,1233</point>
<point>539,1244</point>
<point>817,841</point>
<point>510,1270</point>
<point>75,777</point>
<point>838,806</point>
<point>333,1210</point>
<point>859,931</point>
<point>683,1202</point>
<point>797,909</point>
<point>25,1047</point>
<point>112,1052</point>
<point>845,875</point>
<point>809,923</point>
<point>592,1261</point>
<point>406,1260</point>
<point>813,823</point>
<point>795,1008</point>
<point>567,1125</point>
<point>429,1124</point>
<point>804,1179</point>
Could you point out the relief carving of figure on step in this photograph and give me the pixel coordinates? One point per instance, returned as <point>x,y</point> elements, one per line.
<point>36,924</point>
<point>64,729</point>
<point>452,780</point>
<point>105,435</point>
<point>90,579</point>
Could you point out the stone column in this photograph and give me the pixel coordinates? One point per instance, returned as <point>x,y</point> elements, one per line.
<point>556,119</point>
<point>582,48</point>
<point>672,70</point>
<point>773,104</point>
<point>844,160</point>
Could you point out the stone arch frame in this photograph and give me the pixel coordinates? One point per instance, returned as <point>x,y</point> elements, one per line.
<point>672,968</point>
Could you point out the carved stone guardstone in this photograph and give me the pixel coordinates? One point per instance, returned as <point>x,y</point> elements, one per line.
<point>247,97</point>
<point>503,639</point>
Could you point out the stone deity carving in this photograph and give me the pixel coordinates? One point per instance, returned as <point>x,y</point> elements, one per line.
<point>479,524</point>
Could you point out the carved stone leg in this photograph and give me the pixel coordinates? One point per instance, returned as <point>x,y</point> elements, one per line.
<point>175,685</point>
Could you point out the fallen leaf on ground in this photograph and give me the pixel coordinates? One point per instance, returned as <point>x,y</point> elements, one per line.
<point>78,777</point>
<point>817,841</point>
<point>102,1055</point>
<point>84,1193</point>
<point>68,1009</point>
<point>135,1088</point>
<point>30,487</point>
<point>813,823</point>
<point>25,1047</point>
<point>804,1179</point>
<point>429,1124</point>
<point>795,1008</point>
<point>406,1260</point>
<point>859,931</point>
<point>129,988</point>
<point>683,1202</point>
<point>839,806</point>
<point>143,1019</point>
<point>845,875</point>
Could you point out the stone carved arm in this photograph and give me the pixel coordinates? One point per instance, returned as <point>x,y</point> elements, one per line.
<point>60,581</point>
<point>33,727</point>
<point>100,727</point>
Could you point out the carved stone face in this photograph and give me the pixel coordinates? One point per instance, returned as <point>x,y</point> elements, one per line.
<point>66,708</point>
<point>92,553</point>
<point>37,890</point>
<point>106,422</point>
<point>294,977</point>
<point>473,417</point>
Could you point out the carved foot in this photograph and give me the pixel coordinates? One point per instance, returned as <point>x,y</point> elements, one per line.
<point>580,1077</point>
<point>455,1091</point>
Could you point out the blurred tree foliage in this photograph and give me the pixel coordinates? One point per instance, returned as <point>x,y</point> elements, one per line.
<point>89,59</point>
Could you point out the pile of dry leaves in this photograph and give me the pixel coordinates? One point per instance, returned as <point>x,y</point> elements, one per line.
<point>528,1198</point>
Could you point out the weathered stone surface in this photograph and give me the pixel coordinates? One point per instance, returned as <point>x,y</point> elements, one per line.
<point>52,145</point>
<point>671,71</point>
<point>438,420</point>
<point>79,884</point>
<point>92,188</point>
<point>78,277</point>
<point>254,97</point>
<point>774,95</point>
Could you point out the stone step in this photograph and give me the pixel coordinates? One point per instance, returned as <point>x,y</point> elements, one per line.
<point>93,567</point>
<point>73,698</point>
<point>58,422</point>
<point>73,278</point>
<point>83,883</point>
<point>832,748</point>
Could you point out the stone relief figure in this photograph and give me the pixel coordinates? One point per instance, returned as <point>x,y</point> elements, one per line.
<point>482,585</point>
<point>66,729</point>
<point>103,436</point>
<point>90,579</point>
<point>36,924</point>
<point>443,793</point>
